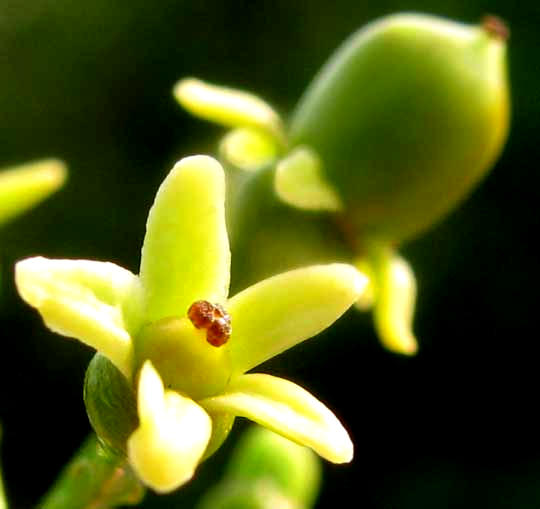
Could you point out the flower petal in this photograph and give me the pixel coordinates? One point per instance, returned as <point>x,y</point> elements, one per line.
<point>299,182</point>
<point>24,186</point>
<point>248,149</point>
<point>227,106</point>
<point>279,312</point>
<point>172,437</point>
<point>185,255</point>
<point>394,287</point>
<point>95,302</point>
<point>287,409</point>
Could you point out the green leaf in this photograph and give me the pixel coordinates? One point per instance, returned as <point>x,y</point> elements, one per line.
<point>299,181</point>
<point>172,437</point>
<point>277,313</point>
<point>248,148</point>
<point>24,186</point>
<point>185,255</point>
<point>227,106</point>
<point>87,300</point>
<point>287,409</point>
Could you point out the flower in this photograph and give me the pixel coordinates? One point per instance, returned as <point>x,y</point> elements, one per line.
<point>188,389</point>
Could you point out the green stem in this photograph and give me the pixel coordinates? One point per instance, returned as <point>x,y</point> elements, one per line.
<point>94,479</point>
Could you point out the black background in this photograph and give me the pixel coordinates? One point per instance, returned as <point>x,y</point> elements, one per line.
<point>90,82</point>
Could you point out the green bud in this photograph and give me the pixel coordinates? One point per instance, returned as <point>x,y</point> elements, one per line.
<point>407,116</point>
<point>267,471</point>
<point>264,454</point>
<point>110,403</point>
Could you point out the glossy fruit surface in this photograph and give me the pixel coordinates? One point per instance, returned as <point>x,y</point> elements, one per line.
<point>407,116</point>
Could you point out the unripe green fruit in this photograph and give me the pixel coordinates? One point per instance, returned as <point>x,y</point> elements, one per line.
<point>407,116</point>
<point>110,403</point>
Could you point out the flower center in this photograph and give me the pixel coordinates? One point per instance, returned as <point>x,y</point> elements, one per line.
<point>213,318</point>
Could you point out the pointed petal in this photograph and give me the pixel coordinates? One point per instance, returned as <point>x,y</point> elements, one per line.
<point>227,106</point>
<point>287,409</point>
<point>95,302</point>
<point>279,312</point>
<point>395,296</point>
<point>24,186</point>
<point>299,181</point>
<point>172,437</point>
<point>248,148</point>
<point>185,255</point>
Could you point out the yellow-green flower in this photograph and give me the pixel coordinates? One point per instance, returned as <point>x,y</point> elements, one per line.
<point>189,391</point>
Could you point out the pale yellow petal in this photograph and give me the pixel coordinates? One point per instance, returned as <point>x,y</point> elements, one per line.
<point>95,302</point>
<point>287,409</point>
<point>300,182</point>
<point>173,434</point>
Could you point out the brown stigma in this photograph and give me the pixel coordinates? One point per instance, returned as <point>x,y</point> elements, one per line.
<point>495,27</point>
<point>213,318</point>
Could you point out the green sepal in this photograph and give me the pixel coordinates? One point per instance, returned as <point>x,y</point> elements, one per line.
<point>111,403</point>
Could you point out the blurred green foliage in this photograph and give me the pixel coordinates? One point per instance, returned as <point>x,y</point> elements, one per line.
<point>91,83</point>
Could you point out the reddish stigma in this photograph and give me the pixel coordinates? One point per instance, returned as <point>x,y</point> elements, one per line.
<point>495,27</point>
<point>213,318</point>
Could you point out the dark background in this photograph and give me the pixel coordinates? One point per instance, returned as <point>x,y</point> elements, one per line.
<point>90,82</point>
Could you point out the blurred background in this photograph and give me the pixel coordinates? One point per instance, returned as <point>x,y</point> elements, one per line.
<point>90,82</point>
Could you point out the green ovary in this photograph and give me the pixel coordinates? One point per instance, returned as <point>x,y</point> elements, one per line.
<point>186,362</point>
